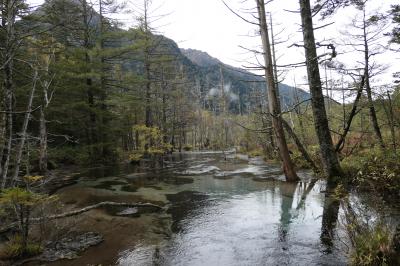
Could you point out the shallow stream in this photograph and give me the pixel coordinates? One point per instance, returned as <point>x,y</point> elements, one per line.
<point>220,210</point>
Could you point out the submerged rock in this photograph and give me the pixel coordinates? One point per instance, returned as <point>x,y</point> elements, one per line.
<point>128,211</point>
<point>70,247</point>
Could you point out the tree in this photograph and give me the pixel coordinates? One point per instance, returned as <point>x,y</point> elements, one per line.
<point>368,38</point>
<point>273,102</point>
<point>329,157</point>
<point>13,33</point>
<point>395,34</point>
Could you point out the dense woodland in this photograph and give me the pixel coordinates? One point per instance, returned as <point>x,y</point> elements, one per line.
<point>78,89</point>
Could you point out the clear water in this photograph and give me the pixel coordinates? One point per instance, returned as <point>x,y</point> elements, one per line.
<point>229,211</point>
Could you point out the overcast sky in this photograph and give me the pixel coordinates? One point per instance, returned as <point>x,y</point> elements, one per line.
<point>209,26</point>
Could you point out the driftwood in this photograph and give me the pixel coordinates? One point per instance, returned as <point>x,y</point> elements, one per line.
<point>80,211</point>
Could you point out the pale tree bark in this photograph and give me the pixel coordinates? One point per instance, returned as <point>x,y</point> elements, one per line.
<point>23,134</point>
<point>273,101</point>
<point>47,97</point>
<point>329,157</point>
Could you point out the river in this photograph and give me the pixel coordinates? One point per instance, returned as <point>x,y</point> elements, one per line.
<point>219,210</point>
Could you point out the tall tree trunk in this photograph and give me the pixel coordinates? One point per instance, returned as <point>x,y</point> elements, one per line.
<point>9,12</point>
<point>390,116</point>
<point>23,133</point>
<point>372,111</point>
<point>43,143</point>
<point>3,128</point>
<point>8,148</point>
<point>164,107</point>
<point>89,83</point>
<point>329,157</point>
<point>274,106</point>
<point>147,66</point>
<point>105,147</point>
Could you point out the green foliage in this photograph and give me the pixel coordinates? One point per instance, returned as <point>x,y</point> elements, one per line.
<point>372,246</point>
<point>15,249</point>
<point>20,196</point>
<point>299,161</point>
<point>17,204</point>
<point>135,156</point>
<point>255,153</point>
<point>187,147</point>
<point>69,155</point>
<point>151,140</point>
<point>376,170</point>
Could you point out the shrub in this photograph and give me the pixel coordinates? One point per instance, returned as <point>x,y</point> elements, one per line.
<point>187,147</point>
<point>135,157</point>
<point>15,248</point>
<point>376,170</point>
<point>256,152</point>
<point>372,246</point>
<point>299,161</point>
<point>69,155</point>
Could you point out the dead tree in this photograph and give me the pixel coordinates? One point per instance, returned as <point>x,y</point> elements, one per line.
<point>273,102</point>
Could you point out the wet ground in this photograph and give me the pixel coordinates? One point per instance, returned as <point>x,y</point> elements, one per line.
<point>219,210</point>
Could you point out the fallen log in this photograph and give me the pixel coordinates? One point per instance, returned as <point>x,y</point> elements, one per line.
<point>80,211</point>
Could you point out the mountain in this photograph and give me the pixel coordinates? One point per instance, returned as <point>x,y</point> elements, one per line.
<point>200,58</point>
<point>245,90</point>
<point>242,83</point>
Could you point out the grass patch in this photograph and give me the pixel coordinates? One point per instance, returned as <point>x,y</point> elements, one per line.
<point>14,249</point>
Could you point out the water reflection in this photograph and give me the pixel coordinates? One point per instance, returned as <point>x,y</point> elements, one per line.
<point>287,194</point>
<point>249,217</point>
<point>329,221</point>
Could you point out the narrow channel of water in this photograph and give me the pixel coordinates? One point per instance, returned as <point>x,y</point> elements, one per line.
<point>224,210</point>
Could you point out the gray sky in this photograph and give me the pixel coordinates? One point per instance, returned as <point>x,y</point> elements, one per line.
<point>209,26</point>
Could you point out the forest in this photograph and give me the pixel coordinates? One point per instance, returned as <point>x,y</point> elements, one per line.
<point>118,147</point>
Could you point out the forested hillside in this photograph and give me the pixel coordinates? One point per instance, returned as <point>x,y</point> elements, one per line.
<point>105,125</point>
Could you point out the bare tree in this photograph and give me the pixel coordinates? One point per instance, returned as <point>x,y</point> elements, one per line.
<point>329,157</point>
<point>273,102</point>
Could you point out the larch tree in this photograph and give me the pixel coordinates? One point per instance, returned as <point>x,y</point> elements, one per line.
<point>329,157</point>
<point>273,101</point>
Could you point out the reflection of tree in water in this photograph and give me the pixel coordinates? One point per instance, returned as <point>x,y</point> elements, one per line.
<point>329,221</point>
<point>329,215</point>
<point>288,190</point>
